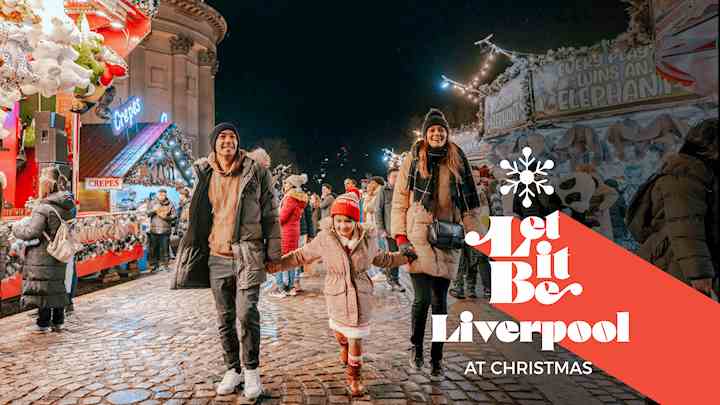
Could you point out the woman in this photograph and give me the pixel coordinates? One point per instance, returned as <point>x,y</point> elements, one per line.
<point>435,183</point>
<point>291,210</point>
<point>43,275</point>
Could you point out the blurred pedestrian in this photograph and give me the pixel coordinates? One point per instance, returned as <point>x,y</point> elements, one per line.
<point>316,211</point>
<point>162,216</point>
<point>675,215</point>
<point>326,200</point>
<point>383,219</point>
<point>307,232</point>
<point>292,208</point>
<point>473,262</point>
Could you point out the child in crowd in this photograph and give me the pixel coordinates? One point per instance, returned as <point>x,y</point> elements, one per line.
<point>347,249</point>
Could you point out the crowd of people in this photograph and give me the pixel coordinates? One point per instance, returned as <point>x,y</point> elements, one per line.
<point>236,231</point>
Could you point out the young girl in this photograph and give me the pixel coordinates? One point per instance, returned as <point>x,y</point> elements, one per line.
<point>347,249</point>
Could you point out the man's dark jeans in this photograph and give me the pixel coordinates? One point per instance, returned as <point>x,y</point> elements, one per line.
<point>159,249</point>
<point>235,307</point>
<point>429,290</point>
<point>392,274</point>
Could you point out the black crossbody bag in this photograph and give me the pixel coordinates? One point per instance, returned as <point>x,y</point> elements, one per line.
<point>446,235</point>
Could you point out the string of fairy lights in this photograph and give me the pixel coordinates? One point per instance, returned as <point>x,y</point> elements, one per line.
<point>473,91</point>
<point>391,158</point>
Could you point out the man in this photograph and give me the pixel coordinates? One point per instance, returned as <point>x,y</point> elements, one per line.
<point>472,261</point>
<point>382,223</point>
<point>326,200</point>
<point>162,214</point>
<point>232,236</point>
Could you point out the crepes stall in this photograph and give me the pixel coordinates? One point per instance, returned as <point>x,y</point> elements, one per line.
<point>58,61</point>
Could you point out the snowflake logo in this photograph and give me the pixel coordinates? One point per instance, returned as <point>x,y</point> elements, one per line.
<point>527,177</point>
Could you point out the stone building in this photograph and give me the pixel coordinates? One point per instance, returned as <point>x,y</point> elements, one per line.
<point>173,70</point>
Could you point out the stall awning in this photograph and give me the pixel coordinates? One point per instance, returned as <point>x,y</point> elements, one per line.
<point>103,154</point>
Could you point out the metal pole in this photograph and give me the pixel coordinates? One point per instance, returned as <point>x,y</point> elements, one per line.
<point>76,124</point>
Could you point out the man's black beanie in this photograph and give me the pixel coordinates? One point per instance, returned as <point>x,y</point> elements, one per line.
<point>434,117</point>
<point>219,128</point>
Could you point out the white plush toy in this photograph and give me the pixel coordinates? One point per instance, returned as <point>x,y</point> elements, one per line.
<point>74,75</point>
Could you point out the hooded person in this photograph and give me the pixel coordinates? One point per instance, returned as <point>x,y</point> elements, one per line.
<point>43,275</point>
<point>435,183</point>
<point>347,248</point>
<point>675,215</point>
<point>292,208</point>
<point>233,233</point>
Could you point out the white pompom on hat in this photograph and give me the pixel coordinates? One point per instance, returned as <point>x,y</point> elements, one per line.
<point>297,180</point>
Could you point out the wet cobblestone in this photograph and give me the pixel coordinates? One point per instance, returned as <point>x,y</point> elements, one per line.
<point>140,342</point>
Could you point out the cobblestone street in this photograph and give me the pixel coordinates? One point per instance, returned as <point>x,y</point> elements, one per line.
<point>140,342</point>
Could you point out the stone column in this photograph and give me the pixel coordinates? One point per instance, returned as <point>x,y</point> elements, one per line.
<point>180,46</point>
<point>138,81</point>
<point>208,66</point>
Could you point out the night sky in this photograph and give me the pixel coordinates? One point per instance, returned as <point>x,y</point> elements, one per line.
<point>327,75</point>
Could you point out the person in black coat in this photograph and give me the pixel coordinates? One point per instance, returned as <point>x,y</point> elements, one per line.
<point>44,276</point>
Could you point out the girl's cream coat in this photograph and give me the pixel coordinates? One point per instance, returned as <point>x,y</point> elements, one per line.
<point>348,289</point>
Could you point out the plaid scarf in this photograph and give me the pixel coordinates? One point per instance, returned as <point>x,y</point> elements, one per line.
<point>464,192</point>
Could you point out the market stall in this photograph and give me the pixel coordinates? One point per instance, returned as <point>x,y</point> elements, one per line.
<point>616,108</point>
<point>109,240</point>
<point>120,171</point>
<point>59,60</point>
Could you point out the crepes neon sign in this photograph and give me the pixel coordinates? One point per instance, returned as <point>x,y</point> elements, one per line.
<point>126,114</point>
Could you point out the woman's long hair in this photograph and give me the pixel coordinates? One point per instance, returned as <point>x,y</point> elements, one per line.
<point>51,181</point>
<point>453,159</point>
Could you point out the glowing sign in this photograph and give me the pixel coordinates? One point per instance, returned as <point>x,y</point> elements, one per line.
<point>164,117</point>
<point>126,114</point>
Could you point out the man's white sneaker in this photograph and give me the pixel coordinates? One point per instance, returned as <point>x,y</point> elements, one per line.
<point>231,380</point>
<point>253,385</point>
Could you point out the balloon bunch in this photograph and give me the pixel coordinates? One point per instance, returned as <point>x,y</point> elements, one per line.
<point>36,51</point>
<point>43,51</point>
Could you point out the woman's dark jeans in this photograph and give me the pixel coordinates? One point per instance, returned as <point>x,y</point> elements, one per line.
<point>429,291</point>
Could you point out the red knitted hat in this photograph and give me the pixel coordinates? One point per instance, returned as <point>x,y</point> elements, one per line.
<point>348,205</point>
